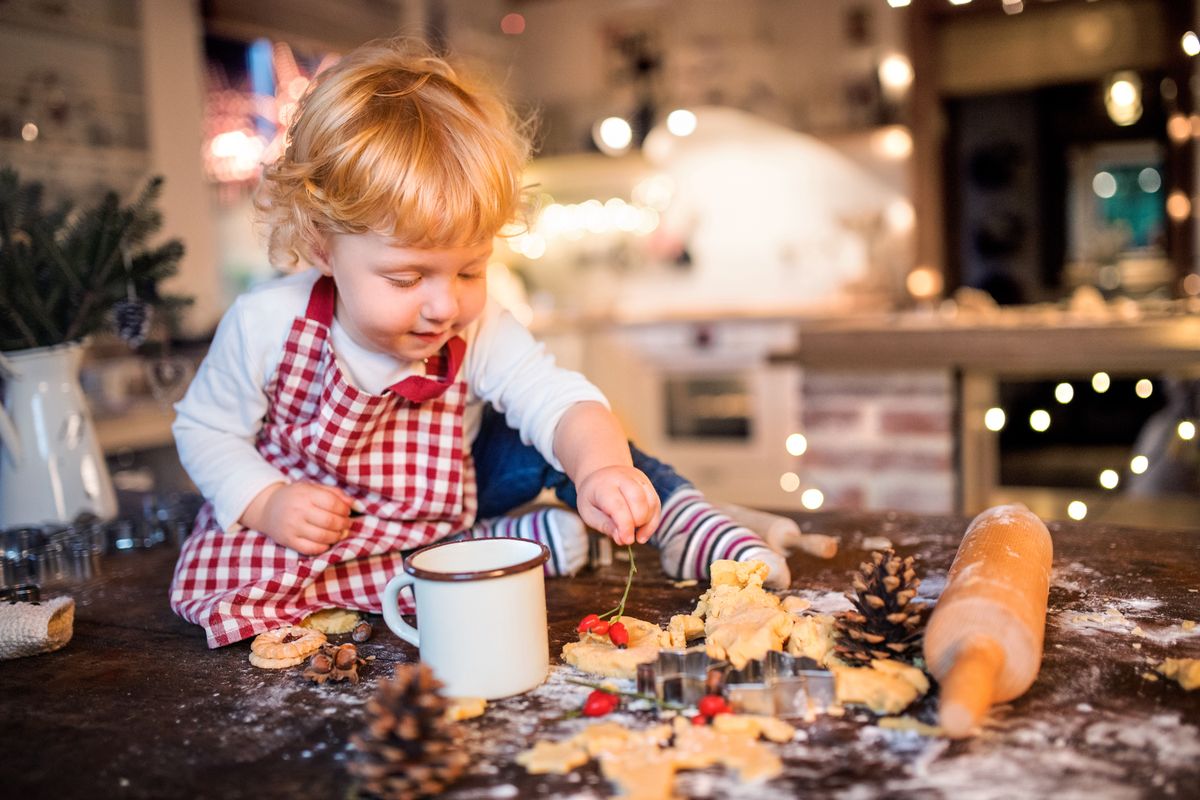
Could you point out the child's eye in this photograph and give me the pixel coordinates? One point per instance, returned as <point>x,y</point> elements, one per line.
<point>403,283</point>
<point>471,276</point>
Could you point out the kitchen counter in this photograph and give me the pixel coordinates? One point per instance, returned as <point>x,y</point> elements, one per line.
<point>1014,342</point>
<point>136,706</point>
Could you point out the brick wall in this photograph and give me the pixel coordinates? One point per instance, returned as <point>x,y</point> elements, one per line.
<point>879,440</point>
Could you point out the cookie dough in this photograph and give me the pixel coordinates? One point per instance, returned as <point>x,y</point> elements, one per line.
<point>747,634</point>
<point>461,708</point>
<point>558,758</point>
<point>641,775</point>
<point>597,655</point>
<point>812,637</point>
<point>683,628</point>
<point>885,687</point>
<point>754,726</point>
<point>332,621</point>
<point>794,605</point>
<point>643,766</point>
<point>1184,670</point>
<point>700,746</point>
<point>742,621</point>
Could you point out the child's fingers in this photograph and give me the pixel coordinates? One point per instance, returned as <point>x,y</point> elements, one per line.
<point>616,508</point>
<point>642,511</point>
<point>316,533</point>
<point>308,548</point>
<point>331,498</point>
<point>326,520</point>
<point>644,532</point>
<point>652,496</point>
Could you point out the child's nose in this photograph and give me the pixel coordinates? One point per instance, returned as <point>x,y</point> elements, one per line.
<point>441,305</point>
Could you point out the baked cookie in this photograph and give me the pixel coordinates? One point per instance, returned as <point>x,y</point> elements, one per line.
<point>285,644</point>
<point>331,621</point>
<point>275,663</point>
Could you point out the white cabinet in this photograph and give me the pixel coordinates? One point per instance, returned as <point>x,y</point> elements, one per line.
<point>72,113</point>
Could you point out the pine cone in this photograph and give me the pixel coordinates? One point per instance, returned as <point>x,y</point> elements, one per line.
<point>131,317</point>
<point>407,750</point>
<point>885,622</point>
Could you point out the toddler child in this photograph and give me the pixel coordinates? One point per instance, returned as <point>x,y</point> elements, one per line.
<point>377,401</point>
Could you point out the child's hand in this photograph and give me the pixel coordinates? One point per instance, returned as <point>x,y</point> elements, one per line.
<point>306,517</point>
<point>619,501</point>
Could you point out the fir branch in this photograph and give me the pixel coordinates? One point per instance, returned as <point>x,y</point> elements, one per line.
<point>29,336</point>
<point>95,292</point>
<point>43,238</point>
<point>63,269</point>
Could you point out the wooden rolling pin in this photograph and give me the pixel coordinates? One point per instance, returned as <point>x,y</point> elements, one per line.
<point>782,533</point>
<point>984,639</point>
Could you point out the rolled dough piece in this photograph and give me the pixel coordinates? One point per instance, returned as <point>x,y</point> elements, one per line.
<point>885,687</point>
<point>742,621</point>
<point>597,655</point>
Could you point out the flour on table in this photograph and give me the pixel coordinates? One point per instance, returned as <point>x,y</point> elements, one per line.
<point>824,602</point>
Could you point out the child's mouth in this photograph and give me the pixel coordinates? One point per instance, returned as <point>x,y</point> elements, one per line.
<point>428,337</point>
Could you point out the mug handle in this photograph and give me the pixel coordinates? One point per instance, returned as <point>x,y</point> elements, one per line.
<point>391,609</point>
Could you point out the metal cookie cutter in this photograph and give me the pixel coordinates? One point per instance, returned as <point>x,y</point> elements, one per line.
<point>779,685</point>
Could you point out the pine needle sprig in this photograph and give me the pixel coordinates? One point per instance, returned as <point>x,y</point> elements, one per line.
<point>66,268</point>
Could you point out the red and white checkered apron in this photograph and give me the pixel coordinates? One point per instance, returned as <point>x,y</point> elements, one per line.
<point>400,455</point>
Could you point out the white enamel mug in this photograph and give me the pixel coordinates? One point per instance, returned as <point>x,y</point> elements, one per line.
<point>481,606</point>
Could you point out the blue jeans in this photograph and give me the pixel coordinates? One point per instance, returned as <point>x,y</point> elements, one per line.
<point>509,474</point>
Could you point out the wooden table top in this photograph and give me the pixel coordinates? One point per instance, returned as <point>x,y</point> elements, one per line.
<point>136,706</point>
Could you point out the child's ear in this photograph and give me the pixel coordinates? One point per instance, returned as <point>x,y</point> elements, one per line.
<point>319,252</point>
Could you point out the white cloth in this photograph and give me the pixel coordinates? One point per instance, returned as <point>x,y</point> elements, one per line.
<point>219,417</point>
<point>27,629</point>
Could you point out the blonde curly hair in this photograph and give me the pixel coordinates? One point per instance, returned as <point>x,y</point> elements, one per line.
<point>395,141</point>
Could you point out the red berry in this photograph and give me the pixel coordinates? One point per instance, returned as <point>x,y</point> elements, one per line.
<point>712,704</point>
<point>618,634</point>
<point>699,719</point>
<point>599,703</point>
<point>587,622</point>
<point>600,628</point>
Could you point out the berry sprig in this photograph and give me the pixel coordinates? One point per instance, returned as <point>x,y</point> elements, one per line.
<point>600,703</point>
<point>605,698</point>
<point>710,706</point>
<point>600,624</point>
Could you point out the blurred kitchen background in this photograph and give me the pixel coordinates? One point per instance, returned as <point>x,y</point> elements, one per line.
<point>923,255</point>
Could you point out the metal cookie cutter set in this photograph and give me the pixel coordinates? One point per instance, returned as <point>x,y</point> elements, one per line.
<point>779,685</point>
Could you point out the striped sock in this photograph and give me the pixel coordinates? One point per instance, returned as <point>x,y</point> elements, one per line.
<point>694,533</point>
<point>559,529</point>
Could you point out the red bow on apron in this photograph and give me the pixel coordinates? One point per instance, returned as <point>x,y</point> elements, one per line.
<point>400,455</point>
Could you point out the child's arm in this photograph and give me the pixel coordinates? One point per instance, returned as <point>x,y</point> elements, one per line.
<point>614,497</point>
<point>215,428</point>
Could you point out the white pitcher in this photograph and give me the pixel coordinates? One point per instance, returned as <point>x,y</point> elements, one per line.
<point>51,465</point>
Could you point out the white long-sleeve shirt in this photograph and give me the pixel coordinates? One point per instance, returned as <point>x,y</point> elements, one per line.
<point>218,419</point>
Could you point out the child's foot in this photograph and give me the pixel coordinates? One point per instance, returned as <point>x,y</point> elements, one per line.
<point>559,529</point>
<point>694,533</point>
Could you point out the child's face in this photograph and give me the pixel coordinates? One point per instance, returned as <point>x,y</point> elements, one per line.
<point>405,301</point>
